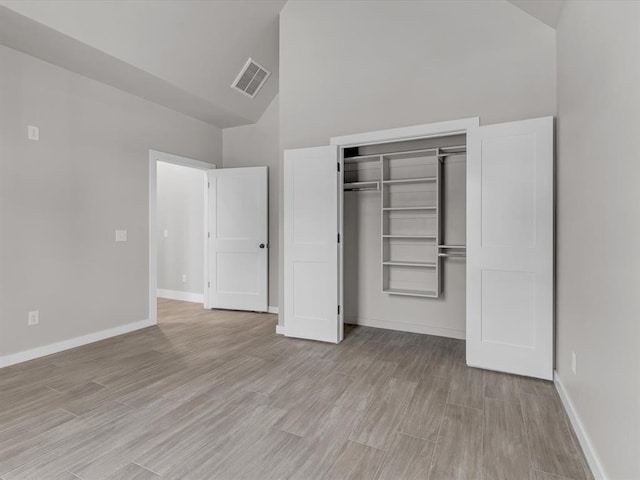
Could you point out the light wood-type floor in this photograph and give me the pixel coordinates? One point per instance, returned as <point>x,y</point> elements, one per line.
<point>218,395</point>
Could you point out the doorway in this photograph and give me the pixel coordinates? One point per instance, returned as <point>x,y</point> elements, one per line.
<point>177,228</point>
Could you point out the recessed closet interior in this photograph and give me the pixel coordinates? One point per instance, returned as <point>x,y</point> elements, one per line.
<point>404,227</point>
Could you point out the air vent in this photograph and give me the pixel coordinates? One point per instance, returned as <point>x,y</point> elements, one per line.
<point>251,78</point>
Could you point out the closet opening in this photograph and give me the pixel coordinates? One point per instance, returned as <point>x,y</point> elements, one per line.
<point>404,228</point>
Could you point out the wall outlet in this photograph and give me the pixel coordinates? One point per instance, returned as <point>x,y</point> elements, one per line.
<point>165,234</point>
<point>121,235</point>
<point>33,318</point>
<point>574,362</point>
<point>33,133</point>
<point>184,278</point>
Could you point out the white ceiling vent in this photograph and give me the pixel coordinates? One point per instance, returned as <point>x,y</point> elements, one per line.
<point>251,78</point>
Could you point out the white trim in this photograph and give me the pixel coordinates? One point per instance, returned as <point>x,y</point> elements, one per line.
<point>182,296</point>
<point>407,327</point>
<point>45,350</point>
<point>279,329</point>
<point>593,459</point>
<point>275,310</point>
<point>407,133</point>
<point>155,157</point>
<point>178,160</point>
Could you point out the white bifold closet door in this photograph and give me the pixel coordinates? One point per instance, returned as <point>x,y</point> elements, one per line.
<point>311,214</point>
<point>510,247</point>
<point>237,247</point>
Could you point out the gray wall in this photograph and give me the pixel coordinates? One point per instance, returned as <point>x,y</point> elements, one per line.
<point>181,214</point>
<point>350,66</point>
<point>253,146</point>
<point>62,198</point>
<point>598,225</point>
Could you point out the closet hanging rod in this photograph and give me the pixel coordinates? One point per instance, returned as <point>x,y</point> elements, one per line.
<point>452,255</point>
<point>361,189</point>
<point>453,246</point>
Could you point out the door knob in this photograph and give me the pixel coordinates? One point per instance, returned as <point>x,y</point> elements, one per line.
<point>262,245</point>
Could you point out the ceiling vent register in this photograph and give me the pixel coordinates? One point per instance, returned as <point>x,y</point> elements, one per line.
<point>251,78</point>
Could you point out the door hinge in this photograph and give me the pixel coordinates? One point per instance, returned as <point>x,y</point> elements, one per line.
<point>208,184</point>
<point>338,309</point>
<point>208,234</point>
<point>338,238</point>
<point>209,284</point>
<point>338,166</point>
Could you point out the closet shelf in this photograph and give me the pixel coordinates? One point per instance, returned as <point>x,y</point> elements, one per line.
<point>355,186</point>
<point>419,237</point>
<point>411,293</point>
<point>390,209</point>
<point>410,180</point>
<point>410,264</point>
<point>363,158</point>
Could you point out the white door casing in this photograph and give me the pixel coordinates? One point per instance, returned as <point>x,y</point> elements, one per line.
<point>238,239</point>
<point>311,225</point>
<point>510,222</point>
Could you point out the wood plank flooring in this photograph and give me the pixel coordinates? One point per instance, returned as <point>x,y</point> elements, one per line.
<point>218,395</point>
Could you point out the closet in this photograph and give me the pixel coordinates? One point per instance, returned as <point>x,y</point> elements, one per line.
<point>404,235</point>
<point>444,229</point>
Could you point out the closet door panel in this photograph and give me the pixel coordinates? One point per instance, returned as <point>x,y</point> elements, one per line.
<point>510,247</point>
<point>311,187</point>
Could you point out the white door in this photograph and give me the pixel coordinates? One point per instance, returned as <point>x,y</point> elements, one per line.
<point>311,188</point>
<point>510,247</point>
<point>238,239</point>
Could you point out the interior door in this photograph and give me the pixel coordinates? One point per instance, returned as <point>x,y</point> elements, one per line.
<point>238,239</point>
<point>311,226</point>
<point>510,247</point>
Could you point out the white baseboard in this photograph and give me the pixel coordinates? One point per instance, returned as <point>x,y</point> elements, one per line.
<point>279,329</point>
<point>593,459</point>
<point>275,310</point>
<point>45,350</point>
<point>178,295</point>
<point>407,327</point>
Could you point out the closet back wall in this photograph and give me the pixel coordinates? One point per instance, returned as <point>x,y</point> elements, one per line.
<point>351,66</point>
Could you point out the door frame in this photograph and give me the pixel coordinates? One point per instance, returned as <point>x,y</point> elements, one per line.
<point>392,135</point>
<point>155,157</point>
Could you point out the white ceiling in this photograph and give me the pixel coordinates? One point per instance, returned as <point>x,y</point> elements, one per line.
<point>184,55</point>
<point>181,54</point>
<point>547,11</point>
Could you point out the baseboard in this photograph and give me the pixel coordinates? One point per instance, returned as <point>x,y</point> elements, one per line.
<point>275,310</point>
<point>45,350</point>
<point>593,459</point>
<point>279,329</point>
<point>178,295</point>
<point>407,327</point>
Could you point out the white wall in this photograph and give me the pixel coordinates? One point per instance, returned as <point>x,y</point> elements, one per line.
<point>180,209</point>
<point>253,146</point>
<point>350,66</point>
<point>62,198</point>
<point>598,225</point>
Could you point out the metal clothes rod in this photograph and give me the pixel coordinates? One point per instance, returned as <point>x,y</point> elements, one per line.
<point>451,255</point>
<point>463,247</point>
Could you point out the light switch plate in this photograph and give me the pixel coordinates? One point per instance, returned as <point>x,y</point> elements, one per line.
<point>121,235</point>
<point>184,278</point>
<point>33,133</point>
<point>165,234</point>
<point>33,318</point>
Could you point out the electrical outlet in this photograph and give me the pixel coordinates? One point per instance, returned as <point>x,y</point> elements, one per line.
<point>574,362</point>
<point>121,235</point>
<point>184,278</point>
<point>33,133</point>
<point>165,234</point>
<point>33,318</point>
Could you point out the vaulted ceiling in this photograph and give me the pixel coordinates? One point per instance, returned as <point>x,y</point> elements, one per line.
<point>181,54</point>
